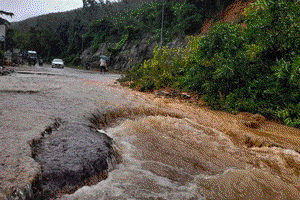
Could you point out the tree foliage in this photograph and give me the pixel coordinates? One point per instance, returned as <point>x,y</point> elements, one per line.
<point>254,69</point>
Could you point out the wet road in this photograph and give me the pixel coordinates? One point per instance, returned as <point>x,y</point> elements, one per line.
<point>31,99</point>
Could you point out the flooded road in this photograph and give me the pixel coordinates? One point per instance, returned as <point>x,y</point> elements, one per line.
<point>169,149</point>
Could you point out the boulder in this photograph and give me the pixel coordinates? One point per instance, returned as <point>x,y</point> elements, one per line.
<point>70,156</point>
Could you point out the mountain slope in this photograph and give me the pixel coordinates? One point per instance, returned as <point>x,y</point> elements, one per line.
<point>41,22</point>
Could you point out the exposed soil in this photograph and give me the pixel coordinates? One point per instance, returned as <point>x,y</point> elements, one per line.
<point>233,14</point>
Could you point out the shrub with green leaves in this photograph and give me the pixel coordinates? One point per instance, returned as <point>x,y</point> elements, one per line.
<point>187,16</point>
<point>163,70</point>
<point>113,51</point>
<point>165,66</point>
<point>274,25</point>
<point>254,69</point>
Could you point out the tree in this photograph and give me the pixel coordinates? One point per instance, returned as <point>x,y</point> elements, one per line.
<point>4,21</point>
<point>21,39</point>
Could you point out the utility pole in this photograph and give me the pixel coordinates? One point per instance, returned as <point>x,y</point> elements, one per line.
<point>162,24</point>
<point>161,31</point>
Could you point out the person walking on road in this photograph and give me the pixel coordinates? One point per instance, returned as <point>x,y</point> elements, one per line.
<point>103,65</point>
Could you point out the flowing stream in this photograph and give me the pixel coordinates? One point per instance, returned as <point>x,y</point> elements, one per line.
<point>169,158</point>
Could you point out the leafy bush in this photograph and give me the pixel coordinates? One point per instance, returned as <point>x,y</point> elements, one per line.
<point>275,25</point>
<point>256,69</point>
<point>163,70</point>
<point>165,66</point>
<point>187,16</point>
<point>114,51</point>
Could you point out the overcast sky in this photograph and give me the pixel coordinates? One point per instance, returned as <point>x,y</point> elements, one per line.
<point>24,9</point>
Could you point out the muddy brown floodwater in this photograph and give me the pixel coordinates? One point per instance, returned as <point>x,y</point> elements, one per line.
<point>169,149</point>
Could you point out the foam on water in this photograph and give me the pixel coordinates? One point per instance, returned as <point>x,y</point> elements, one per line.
<point>130,180</point>
<point>171,158</point>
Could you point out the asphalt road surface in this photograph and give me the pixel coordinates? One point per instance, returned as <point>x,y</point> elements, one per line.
<point>32,98</point>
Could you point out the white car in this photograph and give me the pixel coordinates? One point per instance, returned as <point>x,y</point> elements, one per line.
<point>57,63</point>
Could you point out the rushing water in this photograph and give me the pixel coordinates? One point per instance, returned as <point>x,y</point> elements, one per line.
<point>168,158</point>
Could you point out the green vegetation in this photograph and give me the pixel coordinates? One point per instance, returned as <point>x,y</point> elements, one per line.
<point>110,23</point>
<point>255,69</point>
<point>132,24</point>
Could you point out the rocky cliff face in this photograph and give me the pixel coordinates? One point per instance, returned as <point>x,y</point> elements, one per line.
<point>132,53</point>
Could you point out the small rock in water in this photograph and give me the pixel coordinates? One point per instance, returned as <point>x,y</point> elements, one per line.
<point>71,155</point>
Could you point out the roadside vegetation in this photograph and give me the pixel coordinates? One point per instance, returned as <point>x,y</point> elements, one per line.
<point>254,69</point>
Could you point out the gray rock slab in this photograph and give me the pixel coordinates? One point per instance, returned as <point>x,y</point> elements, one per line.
<point>71,155</point>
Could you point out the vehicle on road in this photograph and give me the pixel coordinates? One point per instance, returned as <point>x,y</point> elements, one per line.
<point>30,57</point>
<point>57,63</point>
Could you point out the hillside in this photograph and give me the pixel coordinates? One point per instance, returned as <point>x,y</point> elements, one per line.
<point>69,34</point>
<point>54,20</point>
<point>41,22</point>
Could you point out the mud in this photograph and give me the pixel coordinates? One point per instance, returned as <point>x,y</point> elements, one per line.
<point>199,154</point>
<point>178,158</point>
